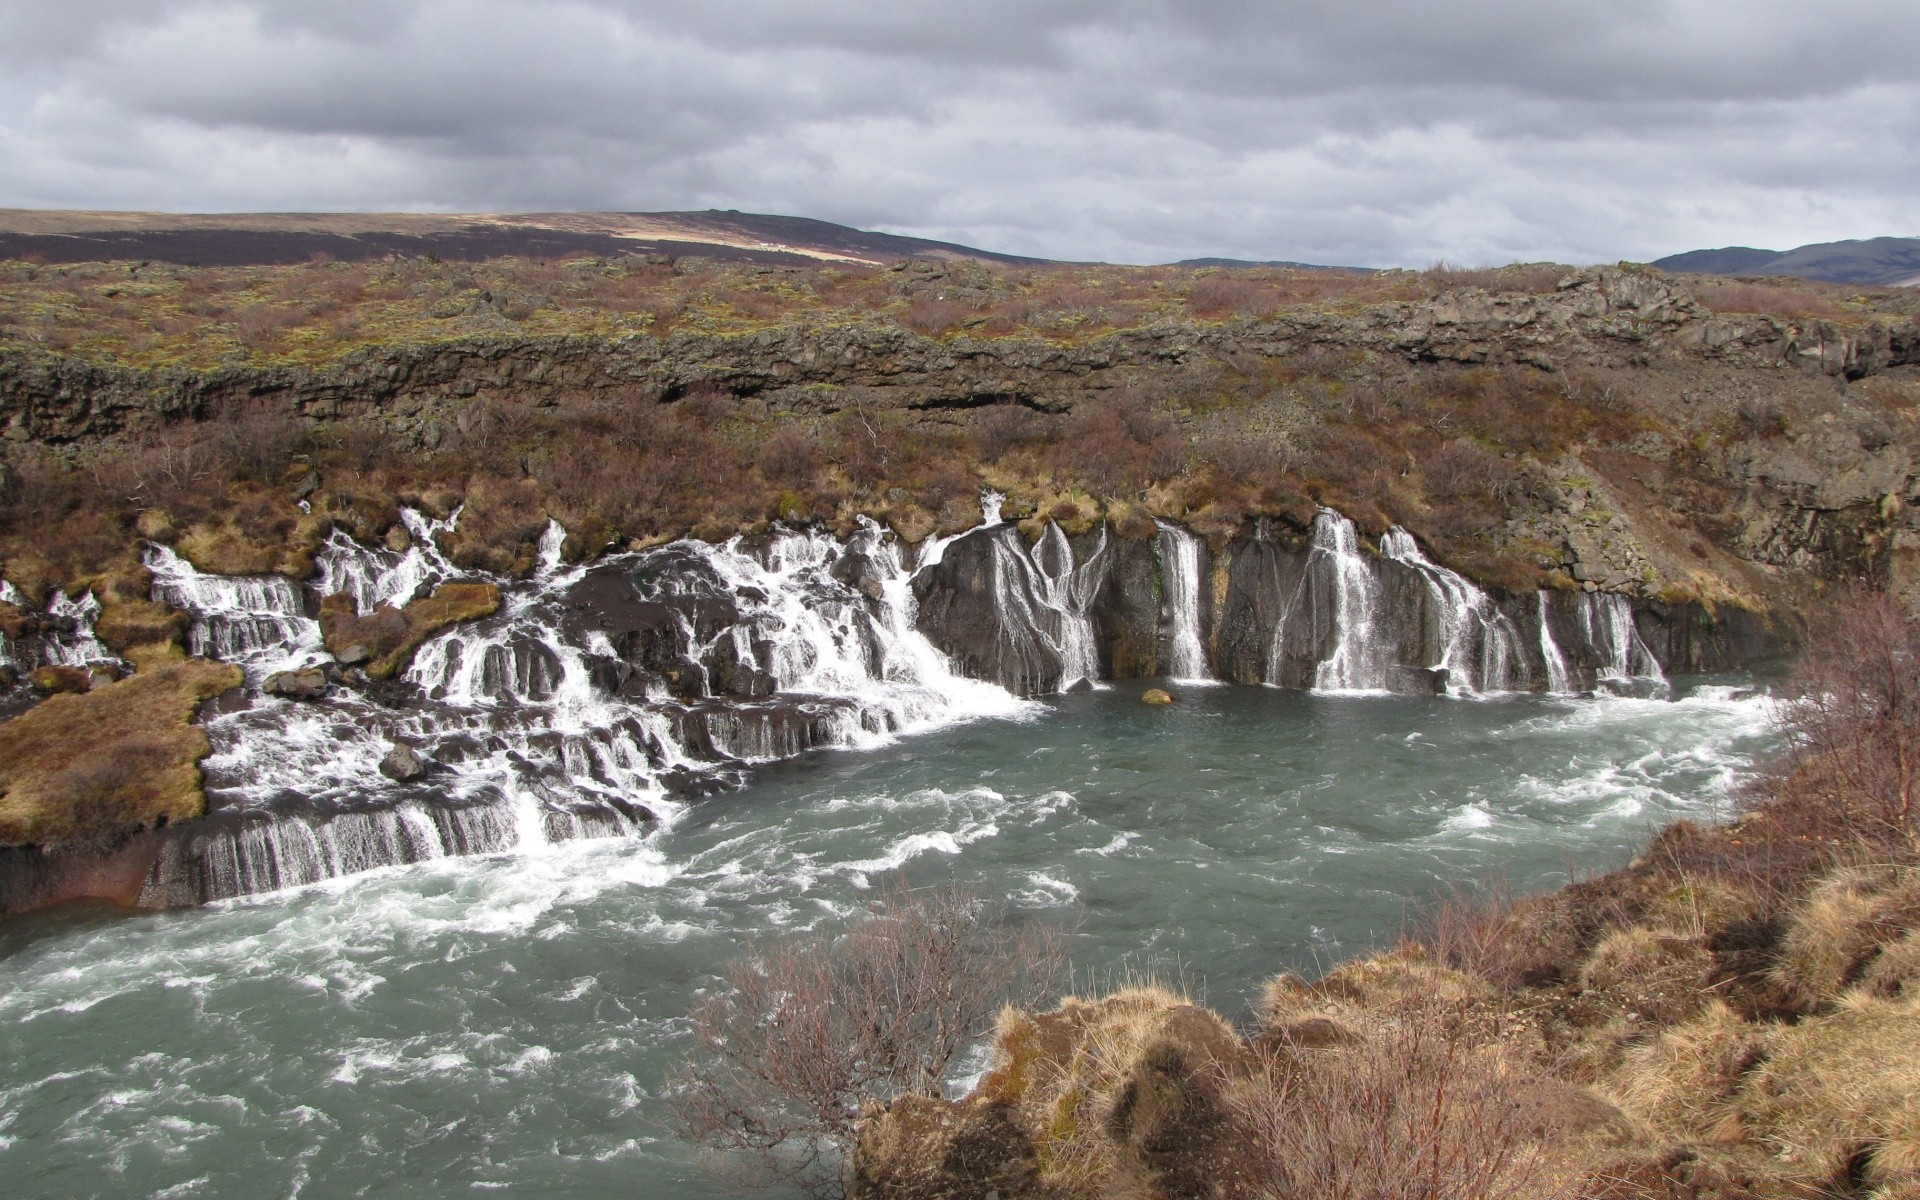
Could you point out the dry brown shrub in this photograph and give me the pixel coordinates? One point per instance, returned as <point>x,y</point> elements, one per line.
<point>1852,726</point>
<point>1003,428</point>
<point>810,1032</point>
<point>791,458</point>
<point>1788,300</point>
<point>1224,295</point>
<point>1116,444</point>
<point>1412,1112</point>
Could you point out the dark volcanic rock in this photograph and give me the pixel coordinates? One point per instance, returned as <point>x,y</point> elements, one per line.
<point>402,765</point>
<point>977,604</point>
<point>1128,618</point>
<point>307,684</point>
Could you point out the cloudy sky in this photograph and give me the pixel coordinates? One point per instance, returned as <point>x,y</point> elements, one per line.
<point>1377,132</point>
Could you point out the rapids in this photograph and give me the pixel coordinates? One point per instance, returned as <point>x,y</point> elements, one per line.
<point>507,1022</point>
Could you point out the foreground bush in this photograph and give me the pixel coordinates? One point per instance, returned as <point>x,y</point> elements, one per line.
<point>1733,1016</point>
<point>810,1032</point>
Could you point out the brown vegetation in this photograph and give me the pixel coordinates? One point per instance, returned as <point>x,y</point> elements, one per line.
<point>810,1032</point>
<point>383,640</point>
<point>1733,1016</point>
<point>93,767</point>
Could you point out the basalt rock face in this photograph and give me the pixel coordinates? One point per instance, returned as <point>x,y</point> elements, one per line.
<point>1314,611</point>
<point>1600,318</point>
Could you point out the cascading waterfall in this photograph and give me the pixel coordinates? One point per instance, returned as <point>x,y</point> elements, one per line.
<point>1479,647</point>
<point>259,622</point>
<point>63,638</point>
<point>1559,679</point>
<point>1068,591</point>
<point>538,727</point>
<point>1178,551</point>
<point>375,575</point>
<point>1608,620</point>
<point>1335,562</point>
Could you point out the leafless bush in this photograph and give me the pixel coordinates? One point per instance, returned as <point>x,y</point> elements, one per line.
<point>1853,724</point>
<point>1470,929</point>
<point>790,458</point>
<point>1220,295</point>
<point>257,439</point>
<point>1004,428</point>
<point>811,1031</point>
<point>1416,1111</point>
<point>1117,443</point>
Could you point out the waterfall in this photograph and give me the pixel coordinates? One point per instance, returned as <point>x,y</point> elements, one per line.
<point>1181,586</point>
<point>1607,619</point>
<point>1068,591</point>
<point>1559,679</point>
<point>375,575</point>
<point>1335,561</point>
<point>1478,644</point>
<point>258,621</point>
<point>577,710</point>
<point>62,637</point>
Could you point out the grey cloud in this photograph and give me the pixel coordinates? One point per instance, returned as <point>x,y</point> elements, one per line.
<point>1127,129</point>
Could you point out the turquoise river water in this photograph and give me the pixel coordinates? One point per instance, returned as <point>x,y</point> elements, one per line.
<point>505,1024</point>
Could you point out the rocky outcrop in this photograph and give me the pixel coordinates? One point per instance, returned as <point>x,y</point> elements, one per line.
<point>1604,318</point>
<point>1305,610</point>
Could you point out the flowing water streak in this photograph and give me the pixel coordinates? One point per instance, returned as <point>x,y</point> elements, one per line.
<point>1559,679</point>
<point>1608,620</point>
<point>527,748</point>
<point>375,575</point>
<point>1479,645</point>
<point>1178,550</point>
<point>257,621</point>
<point>1068,591</point>
<point>1356,663</point>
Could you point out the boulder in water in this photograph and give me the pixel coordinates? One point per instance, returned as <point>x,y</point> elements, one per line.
<point>309,683</point>
<point>1418,681</point>
<point>1156,696</point>
<point>354,655</point>
<point>403,765</point>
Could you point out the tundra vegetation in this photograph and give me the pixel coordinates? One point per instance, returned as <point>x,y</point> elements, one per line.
<point>1474,457</point>
<point>1732,1015</point>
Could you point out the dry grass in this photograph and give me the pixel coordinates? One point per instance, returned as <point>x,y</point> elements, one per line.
<point>388,636</point>
<point>92,767</point>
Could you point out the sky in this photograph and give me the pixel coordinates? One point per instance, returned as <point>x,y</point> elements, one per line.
<point>1381,133</point>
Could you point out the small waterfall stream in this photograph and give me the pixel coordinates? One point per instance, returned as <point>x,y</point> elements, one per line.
<point>1181,585</point>
<point>1608,620</point>
<point>259,622</point>
<point>1559,679</point>
<point>1337,570</point>
<point>1479,646</point>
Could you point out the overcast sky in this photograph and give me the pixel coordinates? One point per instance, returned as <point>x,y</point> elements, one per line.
<point>1391,132</point>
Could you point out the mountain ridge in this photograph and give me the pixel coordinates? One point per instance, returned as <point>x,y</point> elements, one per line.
<point>265,239</point>
<point>1885,261</point>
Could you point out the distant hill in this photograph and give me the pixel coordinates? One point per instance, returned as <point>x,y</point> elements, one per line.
<point>261,239</point>
<point>1248,262</point>
<point>1886,261</point>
